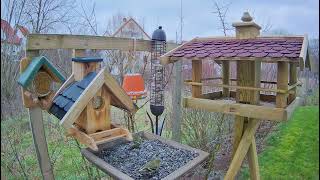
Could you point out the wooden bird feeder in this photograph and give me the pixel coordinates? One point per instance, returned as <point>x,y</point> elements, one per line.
<point>248,50</point>
<point>83,103</point>
<point>36,79</point>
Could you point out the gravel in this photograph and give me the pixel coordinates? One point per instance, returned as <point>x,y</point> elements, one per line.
<point>130,160</point>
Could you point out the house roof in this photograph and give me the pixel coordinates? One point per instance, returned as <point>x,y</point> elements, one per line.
<point>11,36</point>
<point>263,48</point>
<point>71,101</point>
<point>34,66</point>
<point>65,99</point>
<point>126,23</point>
<point>23,30</point>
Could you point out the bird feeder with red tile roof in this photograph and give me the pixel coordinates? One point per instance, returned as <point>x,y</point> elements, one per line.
<point>248,50</point>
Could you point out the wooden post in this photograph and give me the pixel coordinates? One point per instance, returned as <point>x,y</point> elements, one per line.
<point>225,77</point>
<point>282,83</point>
<point>292,80</point>
<point>196,77</point>
<point>38,133</point>
<point>176,102</point>
<point>248,74</point>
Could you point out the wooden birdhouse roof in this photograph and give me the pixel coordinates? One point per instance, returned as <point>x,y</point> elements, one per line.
<point>266,49</point>
<point>71,101</point>
<point>35,66</point>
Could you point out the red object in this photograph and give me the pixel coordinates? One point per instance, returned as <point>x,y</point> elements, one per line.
<point>287,47</point>
<point>133,84</point>
<point>11,36</point>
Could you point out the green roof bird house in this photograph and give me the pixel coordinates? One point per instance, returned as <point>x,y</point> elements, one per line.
<point>37,77</point>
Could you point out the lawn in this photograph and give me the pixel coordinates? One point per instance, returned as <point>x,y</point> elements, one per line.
<point>292,151</point>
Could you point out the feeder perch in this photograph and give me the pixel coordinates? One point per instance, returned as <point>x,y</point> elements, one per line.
<point>83,103</point>
<point>36,79</point>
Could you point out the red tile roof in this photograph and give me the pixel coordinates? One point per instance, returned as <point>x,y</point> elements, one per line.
<point>23,30</point>
<point>282,47</point>
<point>11,36</point>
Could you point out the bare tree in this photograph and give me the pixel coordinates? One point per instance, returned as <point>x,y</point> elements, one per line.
<point>45,15</point>
<point>221,11</point>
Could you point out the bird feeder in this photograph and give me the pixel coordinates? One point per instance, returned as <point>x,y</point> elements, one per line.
<point>248,50</point>
<point>157,75</point>
<point>36,79</point>
<point>83,103</point>
<point>133,84</point>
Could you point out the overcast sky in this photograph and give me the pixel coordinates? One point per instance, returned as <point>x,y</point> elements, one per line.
<point>294,16</point>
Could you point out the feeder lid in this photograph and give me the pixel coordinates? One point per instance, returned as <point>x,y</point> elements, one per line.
<point>159,34</point>
<point>87,59</point>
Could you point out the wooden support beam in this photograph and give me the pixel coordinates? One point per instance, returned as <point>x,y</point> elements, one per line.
<point>282,83</point>
<point>40,143</point>
<point>225,77</point>
<point>176,102</point>
<point>196,77</point>
<point>292,81</point>
<point>245,143</point>
<point>246,110</point>
<point>253,161</point>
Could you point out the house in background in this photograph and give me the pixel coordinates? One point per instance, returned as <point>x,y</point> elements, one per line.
<point>13,40</point>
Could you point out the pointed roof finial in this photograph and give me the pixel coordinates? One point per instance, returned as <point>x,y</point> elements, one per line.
<point>246,17</point>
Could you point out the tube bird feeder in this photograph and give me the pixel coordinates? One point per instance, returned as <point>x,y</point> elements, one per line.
<point>157,75</point>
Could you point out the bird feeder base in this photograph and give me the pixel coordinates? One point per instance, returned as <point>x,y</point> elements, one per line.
<point>95,157</point>
<point>93,140</point>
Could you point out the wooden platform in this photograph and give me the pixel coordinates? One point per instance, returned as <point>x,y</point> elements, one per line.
<point>267,110</point>
<point>112,171</point>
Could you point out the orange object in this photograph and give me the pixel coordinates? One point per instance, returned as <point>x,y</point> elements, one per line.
<point>133,84</point>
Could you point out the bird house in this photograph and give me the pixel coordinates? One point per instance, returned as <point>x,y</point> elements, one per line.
<point>37,78</point>
<point>83,103</point>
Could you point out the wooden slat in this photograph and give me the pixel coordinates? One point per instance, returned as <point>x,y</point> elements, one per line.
<point>253,161</point>
<point>304,49</point>
<point>82,138</point>
<point>242,150</point>
<point>237,87</point>
<point>60,41</point>
<point>293,82</point>
<point>282,83</point>
<point>77,108</point>
<point>196,77</point>
<point>40,143</point>
<point>176,102</point>
<point>246,110</point>
<point>225,77</point>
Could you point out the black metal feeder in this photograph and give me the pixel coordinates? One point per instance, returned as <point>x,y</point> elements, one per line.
<point>157,78</point>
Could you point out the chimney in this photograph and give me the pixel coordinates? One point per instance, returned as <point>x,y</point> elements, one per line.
<point>247,28</point>
<point>81,66</point>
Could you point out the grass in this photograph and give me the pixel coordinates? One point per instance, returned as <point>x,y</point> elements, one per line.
<point>292,151</point>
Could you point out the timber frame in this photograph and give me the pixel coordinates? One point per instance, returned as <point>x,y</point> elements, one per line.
<point>248,105</point>
<point>77,43</point>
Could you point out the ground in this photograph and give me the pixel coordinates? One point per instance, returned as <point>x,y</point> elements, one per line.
<point>292,151</point>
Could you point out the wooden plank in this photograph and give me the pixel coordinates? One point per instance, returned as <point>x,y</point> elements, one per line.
<point>118,92</point>
<point>82,137</point>
<point>238,87</point>
<point>282,83</point>
<point>196,77</point>
<point>242,149</point>
<point>225,77</point>
<point>27,102</point>
<point>304,49</point>
<point>62,41</point>
<point>246,110</point>
<point>176,102</point>
<point>40,143</point>
<point>238,128</point>
<point>74,112</point>
<point>253,161</point>
<point>292,81</point>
